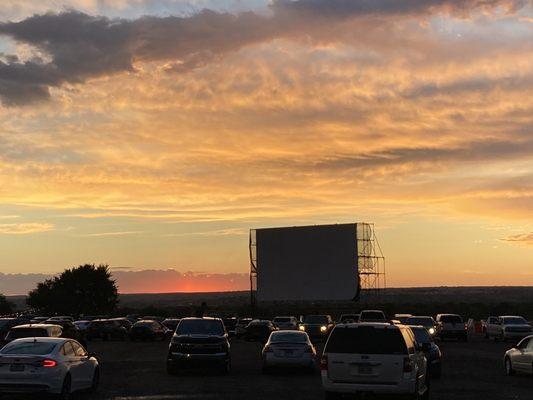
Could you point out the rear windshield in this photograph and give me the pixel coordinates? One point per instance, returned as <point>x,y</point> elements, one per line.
<point>288,337</point>
<point>451,319</point>
<point>316,319</point>
<point>5,322</point>
<point>366,340</point>
<point>28,348</point>
<point>372,315</point>
<point>421,335</point>
<point>282,319</point>
<point>26,332</point>
<point>200,327</point>
<point>424,321</point>
<point>514,321</point>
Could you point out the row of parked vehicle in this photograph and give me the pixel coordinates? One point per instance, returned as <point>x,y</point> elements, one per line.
<point>362,352</point>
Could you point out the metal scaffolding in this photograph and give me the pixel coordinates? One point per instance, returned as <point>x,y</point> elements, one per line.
<point>370,261</point>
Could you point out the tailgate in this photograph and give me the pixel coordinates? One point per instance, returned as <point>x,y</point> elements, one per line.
<point>383,369</point>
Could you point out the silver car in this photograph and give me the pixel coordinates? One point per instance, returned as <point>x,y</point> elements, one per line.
<point>520,357</point>
<point>58,366</point>
<point>288,349</point>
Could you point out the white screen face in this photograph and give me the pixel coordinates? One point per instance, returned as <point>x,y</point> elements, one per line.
<point>307,263</point>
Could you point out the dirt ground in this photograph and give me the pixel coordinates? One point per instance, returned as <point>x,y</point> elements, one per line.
<point>136,371</point>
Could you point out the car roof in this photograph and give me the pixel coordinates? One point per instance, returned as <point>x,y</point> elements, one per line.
<point>42,339</point>
<point>36,326</point>
<point>373,324</point>
<point>201,319</point>
<point>511,316</point>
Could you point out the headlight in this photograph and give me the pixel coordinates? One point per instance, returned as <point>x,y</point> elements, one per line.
<point>323,328</point>
<point>301,327</point>
<point>431,331</point>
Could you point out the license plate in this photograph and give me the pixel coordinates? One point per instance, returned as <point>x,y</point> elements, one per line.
<point>16,367</point>
<point>365,369</point>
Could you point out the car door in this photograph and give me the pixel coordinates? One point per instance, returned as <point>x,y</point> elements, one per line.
<point>521,358</point>
<point>71,362</point>
<point>84,365</point>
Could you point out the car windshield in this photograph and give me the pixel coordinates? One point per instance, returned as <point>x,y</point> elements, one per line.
<point>28,348</point>
<point>421,335</point>
<point>26,332</point>
<point>282,319</point>
<point>366,340</point>
<point>5,322</point>
<point>424,321</point>
<point>316,319</point>
<point>451,319</point>
<point>288,337</point>
<point>514,321</point>
<point>200,327</point>
<point>372,315</point>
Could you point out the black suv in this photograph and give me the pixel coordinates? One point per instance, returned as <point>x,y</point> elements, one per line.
<point>106,329</point>
<point>197,342</point>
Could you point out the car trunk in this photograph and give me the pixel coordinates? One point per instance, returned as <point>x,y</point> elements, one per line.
<point>290,350</point>
<point>384,369</point>
<point>20,367</point>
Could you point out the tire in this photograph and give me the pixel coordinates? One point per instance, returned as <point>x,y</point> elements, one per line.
<point>96,381</point>
<point>65,389</point>
<point>509,371</point>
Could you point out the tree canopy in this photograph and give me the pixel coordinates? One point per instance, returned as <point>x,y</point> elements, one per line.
<point>87,289</point>
<point>5,306</point>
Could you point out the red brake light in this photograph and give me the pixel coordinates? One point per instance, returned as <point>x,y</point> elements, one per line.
<point>407,365</point>
<point>324,363</point>
<point>49,363</point>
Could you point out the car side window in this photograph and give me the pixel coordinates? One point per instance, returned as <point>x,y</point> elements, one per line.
<point>78,350</point>
<point>524,343</point>
<point>68,350</point>
<point>530,346</point>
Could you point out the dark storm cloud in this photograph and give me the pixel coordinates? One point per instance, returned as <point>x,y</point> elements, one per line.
<point>81,46</point>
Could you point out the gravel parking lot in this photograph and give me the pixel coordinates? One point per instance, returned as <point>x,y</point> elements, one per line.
<point>136,371</point>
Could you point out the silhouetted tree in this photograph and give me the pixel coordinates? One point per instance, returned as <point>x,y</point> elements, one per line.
<point>87,289</point>
<point>5,306</point>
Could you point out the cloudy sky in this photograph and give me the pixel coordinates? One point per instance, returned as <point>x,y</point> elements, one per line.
<point>151,135</point>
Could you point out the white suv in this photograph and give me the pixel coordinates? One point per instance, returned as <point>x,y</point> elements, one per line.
<point>379,358</point>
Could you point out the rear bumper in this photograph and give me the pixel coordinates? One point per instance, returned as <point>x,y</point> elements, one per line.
<point>31,386</point>
<point>184,359</point>
<point>307,360</point>
<point>402,387</point>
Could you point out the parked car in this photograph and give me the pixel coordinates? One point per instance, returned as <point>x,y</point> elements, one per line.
<point>240,327</point>
<point>259,330</point>
<point>426,321</point>
<point>230,324</point>
<point>372,316</point>
<point>54,365</point>
<point>124,322</point>
<point>285,323</point>
<point>69,329</point>
<point>171,323</point>
<point>432,351</point>
<point>402,317</point>
<point>317,326</point>
<point>379,358</point>
<point>6,324</point>
<point>199,342</point>
<point>507,327</point>
<point>105,329</point>
<point>520,357</point>
<point>82,325</point>
<point>452,326</point>
<point>347,318</point>
<point>288,348</point>
<point>33,330</point>
<point>148,330</point>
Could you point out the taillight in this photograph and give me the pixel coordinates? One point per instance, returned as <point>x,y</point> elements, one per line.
<point>408,365</point>
<point>49,363</point>
<point>324,362</point>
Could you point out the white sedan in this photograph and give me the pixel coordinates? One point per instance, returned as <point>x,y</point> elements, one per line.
<point>520,357</point>
<point>288,349</point>
<point>58,366</point>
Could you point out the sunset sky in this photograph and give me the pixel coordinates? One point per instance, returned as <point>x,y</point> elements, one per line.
<point>151,135</point>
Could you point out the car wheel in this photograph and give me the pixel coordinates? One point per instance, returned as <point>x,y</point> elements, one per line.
<point>96,380</point>
<point>508,367</point>
<point>65,389</point>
